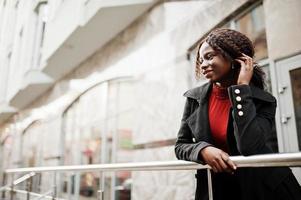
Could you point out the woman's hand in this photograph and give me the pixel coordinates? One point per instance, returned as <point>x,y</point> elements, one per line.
<point>217,159</point>
<point>246,69</point>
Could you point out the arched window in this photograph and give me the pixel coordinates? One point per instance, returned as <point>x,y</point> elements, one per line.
<point>97,128</point>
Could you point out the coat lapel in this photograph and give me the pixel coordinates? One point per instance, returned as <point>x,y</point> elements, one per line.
<point>198,121</point>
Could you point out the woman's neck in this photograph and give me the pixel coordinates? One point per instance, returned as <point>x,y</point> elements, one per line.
<point>224,84</point>
<point>229,80</point>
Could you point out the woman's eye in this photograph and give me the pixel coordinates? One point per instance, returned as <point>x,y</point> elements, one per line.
<point>210,56</point>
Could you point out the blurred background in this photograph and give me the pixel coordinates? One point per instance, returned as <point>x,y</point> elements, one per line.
<point>101,81</point>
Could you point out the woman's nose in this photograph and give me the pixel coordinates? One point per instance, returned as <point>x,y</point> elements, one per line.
<point>204,65</point>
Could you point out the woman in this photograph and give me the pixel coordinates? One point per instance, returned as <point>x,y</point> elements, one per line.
<point>232,115</point>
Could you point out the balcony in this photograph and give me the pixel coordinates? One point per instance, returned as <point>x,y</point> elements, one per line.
<point>77,31</point>
<point>6,112</point>
<point>34,84</point>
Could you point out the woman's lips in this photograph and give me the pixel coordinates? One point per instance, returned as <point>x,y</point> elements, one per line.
<point>207,71</point>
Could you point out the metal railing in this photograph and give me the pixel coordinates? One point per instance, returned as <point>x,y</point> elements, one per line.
<point>16,182</point>
<point>267,160</point>
<point>28,192</point>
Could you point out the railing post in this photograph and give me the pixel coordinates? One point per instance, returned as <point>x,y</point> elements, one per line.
<point>77,186</point>
<point>100,195</point>
<point>101,181</point>
<point>70,185</point>
<point>210,193</point>
<point>3,183</point>
<point>28,187</point>
<point>12,187</point>
<point>54,195</point>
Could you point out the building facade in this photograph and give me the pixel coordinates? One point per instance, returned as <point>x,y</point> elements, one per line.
<point>101,81</point>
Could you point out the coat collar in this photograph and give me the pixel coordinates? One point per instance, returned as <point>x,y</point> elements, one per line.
<point>201,93</point>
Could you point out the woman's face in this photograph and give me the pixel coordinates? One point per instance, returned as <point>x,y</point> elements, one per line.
<point>213,65</point>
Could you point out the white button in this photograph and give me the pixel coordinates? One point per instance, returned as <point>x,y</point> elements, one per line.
<point>239,106</point>
<point>240,113</point>
<point>193,139</point>
<point>237,91</point>
<point>238,98</point>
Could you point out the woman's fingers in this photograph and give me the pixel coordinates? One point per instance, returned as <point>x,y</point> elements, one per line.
<point>216,167</point>
<point>245,55</point>
<point>246,60</point>
<point>241,62</point>
<point>217,159</point>
<point>212,165</point>
<point>229,162</point>
<point>245,64</point>
<point>215,164</point>
<point>224,166</point>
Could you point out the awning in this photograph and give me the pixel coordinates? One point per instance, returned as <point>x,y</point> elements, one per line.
<point>35,83</point>
<point>6,112</point>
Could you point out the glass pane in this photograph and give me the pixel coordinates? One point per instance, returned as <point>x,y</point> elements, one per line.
<point>83,128</point>
<point>295,76</point>
<point>253,25</point>
<point>120,125</point>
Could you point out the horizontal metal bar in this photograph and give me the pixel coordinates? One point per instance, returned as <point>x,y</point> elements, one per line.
<point>24,178</point>
<point>267,160</point>
<point>18,181</point>
<point>6,187</point>
<point>32,194</point>
<point>46,194</point>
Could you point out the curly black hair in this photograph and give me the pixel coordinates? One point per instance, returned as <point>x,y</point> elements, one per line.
<point>231,44</point>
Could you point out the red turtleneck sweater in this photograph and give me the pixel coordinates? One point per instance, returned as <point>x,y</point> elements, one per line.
<point>219,107</point>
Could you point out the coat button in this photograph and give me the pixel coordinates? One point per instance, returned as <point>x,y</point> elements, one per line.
<point>240,113</point>
<point>238,98</point>
<point>193,140</point>
<point>237,91</point>
<point>239,106</point>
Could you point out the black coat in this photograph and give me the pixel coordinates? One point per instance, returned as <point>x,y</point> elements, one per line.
<point>250,132</point>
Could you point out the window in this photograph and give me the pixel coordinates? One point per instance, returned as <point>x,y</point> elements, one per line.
<point>295,76</point>
<point>98,128</point>
<point>252,24</point>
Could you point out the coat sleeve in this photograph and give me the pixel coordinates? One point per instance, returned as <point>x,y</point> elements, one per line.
<point>254,128</point>
<point>186,148</point>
